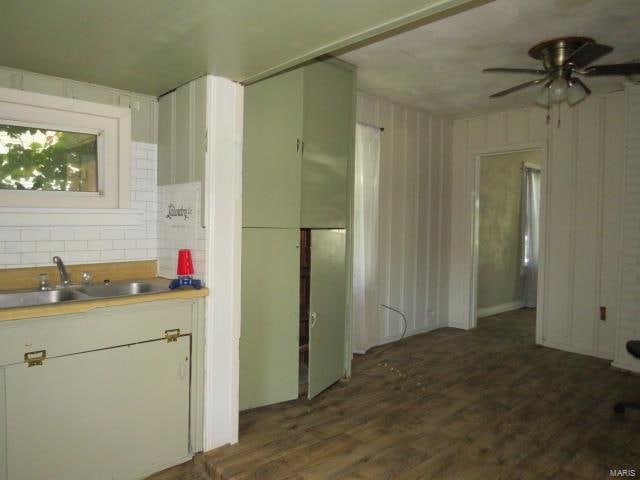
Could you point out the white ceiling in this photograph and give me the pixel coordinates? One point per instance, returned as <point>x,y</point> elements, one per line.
<point>438,67</point>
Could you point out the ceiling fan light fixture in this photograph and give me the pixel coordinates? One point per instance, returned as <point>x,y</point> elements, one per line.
<point>558,90</point>
<point>576,93</point>
<point>543,97</point>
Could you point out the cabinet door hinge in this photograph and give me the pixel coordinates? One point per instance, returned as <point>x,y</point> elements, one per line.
<point>172,335</point>
<point>35,358</point>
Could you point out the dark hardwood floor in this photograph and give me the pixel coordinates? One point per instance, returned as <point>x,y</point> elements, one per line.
<point>449,404</point>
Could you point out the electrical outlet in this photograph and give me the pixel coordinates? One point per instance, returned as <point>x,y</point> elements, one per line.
<point>603,314</point>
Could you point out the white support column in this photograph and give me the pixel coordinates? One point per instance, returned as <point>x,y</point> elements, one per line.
<point>223,190</point>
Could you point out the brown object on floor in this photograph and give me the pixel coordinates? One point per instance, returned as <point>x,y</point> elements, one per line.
<point>448,404</point>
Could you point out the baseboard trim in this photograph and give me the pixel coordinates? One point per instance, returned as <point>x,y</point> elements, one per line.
<point>592,352</point>
<point>410,333</point>
<point>625,368</point>
<point>496,309</point>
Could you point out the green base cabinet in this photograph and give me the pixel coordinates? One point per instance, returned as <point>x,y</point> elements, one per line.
<point>100,406</point>
<point>270,312</point>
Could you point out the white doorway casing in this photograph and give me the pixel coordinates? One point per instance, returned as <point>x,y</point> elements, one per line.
<point>223,205</point>
<point>476,157</point>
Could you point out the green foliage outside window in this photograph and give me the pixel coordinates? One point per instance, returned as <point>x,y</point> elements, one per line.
<point>40,159</point>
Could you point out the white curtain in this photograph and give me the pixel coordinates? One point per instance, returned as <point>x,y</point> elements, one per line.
<point>530,221</point>
<point>365,237</point>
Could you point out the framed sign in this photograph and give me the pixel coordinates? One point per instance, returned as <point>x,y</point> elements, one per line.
<point>178,212</point>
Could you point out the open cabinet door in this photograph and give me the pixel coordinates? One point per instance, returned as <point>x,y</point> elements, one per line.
<point>328,309</point>
<point>269,331</point>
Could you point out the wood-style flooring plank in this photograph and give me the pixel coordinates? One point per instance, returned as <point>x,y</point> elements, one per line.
<point>448,404</point>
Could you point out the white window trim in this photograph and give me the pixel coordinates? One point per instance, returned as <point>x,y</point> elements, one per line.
<point>111,123</point>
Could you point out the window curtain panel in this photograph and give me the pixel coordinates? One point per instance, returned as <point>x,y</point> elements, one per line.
<point>530,221</point>
<point>365,236</point>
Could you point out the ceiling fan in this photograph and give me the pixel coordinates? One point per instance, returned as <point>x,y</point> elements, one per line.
<point>563,61</point>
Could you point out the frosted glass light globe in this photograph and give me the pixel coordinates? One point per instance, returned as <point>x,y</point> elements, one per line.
<point>558,90</point>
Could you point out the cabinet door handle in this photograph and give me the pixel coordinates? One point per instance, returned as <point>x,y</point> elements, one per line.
<point>35,358</point>
<point>298,145</point>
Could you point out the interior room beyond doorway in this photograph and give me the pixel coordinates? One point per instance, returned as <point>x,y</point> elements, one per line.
<point>509,218</point>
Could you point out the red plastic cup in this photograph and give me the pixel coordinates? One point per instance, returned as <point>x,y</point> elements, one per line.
<point>185,264</point>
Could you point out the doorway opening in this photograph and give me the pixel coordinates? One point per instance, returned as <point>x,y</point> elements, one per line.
<point>305,311</point>
<point>507,237</point>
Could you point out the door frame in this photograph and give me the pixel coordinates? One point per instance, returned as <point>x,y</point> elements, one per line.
<point>476,157</point>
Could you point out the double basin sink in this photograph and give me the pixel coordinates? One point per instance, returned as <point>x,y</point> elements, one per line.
<point>77,292</point>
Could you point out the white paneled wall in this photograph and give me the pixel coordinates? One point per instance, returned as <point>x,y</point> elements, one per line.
<point>629,323</point>
<point>30,247</point>
<point>583,177</point>
<point>413,246</point>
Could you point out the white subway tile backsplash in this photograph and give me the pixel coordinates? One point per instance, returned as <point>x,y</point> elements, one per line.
<point>62,234</point>
<point>111,255</point>
<point>8,259</point>
<point>86,234</point>
<point>136,254</point>
<point>75,245</point>
<point>36,234</point>
<point>82,257</point>
<point>10,235</point>
<point>112,234</point>
<point>100,245</point>
<point>135,234</point>
<point>54,246</point>
<point>80,244</point>
<point>35,258</point>
<point>124,244</point>
<point>20,247</point>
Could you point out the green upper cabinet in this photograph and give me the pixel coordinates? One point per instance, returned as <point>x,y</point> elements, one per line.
<point>329,129</point>
<point>272,151</point>
<point>298,142</point>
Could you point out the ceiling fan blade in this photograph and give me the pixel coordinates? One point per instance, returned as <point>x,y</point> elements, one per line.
<point>518,87</point>
<point>616,69</point>
<point>586,89</point>
<point>514,70</point>
<point>587,54</point>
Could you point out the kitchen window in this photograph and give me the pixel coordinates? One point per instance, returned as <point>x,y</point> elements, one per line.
<point>39,158</point>
<point>58,152</point>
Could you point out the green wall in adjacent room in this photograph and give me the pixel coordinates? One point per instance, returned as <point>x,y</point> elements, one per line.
<point>499,279</point>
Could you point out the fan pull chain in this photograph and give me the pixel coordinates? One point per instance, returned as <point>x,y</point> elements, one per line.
<point>558,125</point>
<point>548,113</point>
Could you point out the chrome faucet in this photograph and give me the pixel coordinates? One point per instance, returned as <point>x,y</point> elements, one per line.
<point>64,276</point>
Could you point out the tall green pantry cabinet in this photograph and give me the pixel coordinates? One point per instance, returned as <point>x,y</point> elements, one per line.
<point>299,131</point>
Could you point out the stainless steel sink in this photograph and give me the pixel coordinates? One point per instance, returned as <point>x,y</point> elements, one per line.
<point>76,292</point>
<point>28,299</point>
<point>120,289</point>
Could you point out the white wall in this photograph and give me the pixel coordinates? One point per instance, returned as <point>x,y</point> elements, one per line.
<point>583,177</point>
<point>629,323</point>
<point>413,245</point>
<point>30,247</point>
